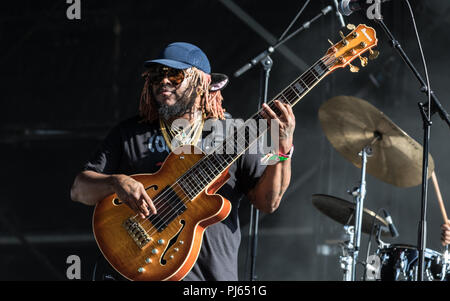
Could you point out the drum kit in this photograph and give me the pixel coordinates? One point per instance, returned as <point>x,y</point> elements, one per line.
<point>372,142</point>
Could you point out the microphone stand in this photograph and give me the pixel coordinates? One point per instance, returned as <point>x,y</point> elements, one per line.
<point>267,63</point>
<point>260,57</point>
<point>423,107</point>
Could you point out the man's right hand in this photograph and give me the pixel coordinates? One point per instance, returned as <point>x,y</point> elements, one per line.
<point>132,193</point>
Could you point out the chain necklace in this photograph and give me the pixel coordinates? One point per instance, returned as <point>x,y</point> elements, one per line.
<point>176,137</point>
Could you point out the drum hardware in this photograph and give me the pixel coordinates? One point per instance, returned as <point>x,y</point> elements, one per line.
<point>359,195</point>
<point>439,268</point>
<point>445,263</point>
<point>381,244</point>
<point>373,263</point>
<point>343,212</point>
<point>372,267</point>
<point>346,259</point>
<point>397,262</point>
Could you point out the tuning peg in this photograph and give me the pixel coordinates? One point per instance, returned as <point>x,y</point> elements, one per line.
<point>334,49</point>
<point>344,41</point>
<point>351,26</point>
<point>353,68</point>
<point>373,54</point>
<point>364,61</point>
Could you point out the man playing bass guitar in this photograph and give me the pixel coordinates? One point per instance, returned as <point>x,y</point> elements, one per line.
<point>179,85</point>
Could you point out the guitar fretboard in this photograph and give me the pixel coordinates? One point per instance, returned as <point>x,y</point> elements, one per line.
<point>214,164</point>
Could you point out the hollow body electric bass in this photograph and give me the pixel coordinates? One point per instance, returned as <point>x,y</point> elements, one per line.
<point>165,246</point>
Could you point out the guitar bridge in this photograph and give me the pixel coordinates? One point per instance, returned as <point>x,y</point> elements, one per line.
<point>137,232</point>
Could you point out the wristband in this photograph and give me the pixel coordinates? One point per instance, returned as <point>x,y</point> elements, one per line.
<point>289,154</point>
<point>273,158</point>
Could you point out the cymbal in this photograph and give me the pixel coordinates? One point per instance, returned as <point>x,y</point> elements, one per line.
<point>350,124</point>
<point>343,211</point>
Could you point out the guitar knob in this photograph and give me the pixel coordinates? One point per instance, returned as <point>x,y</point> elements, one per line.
<point>141,270</point>
<point>351,26</point>
<point>364,61</point>
<point>353,68</point>
<point>344,41</point>
<point>148,260</point>
<point>155,251</point>
<point>373,54</point>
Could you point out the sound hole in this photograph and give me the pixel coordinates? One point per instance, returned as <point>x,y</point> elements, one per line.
<point>116,201</point>
<point>172,242</point>
<point>154,186</point>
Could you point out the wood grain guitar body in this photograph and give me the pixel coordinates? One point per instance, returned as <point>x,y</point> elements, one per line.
<point>166,245</point>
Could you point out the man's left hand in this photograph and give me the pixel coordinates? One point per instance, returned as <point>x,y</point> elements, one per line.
<point>286,122</point>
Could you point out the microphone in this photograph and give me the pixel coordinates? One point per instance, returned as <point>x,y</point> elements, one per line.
<point>338,13</point>
<point>392,229</point>
<point>347,7</point>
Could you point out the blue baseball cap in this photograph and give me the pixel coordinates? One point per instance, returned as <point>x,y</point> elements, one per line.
<point>180,55</point>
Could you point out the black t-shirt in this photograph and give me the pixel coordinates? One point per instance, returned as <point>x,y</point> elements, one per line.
<point>134,147</point>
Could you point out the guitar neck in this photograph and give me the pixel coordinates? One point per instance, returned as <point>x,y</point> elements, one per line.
<point>301,86</point>
<point>214,164</point>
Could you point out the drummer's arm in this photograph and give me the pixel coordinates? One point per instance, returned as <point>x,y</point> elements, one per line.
<point>445,234</point>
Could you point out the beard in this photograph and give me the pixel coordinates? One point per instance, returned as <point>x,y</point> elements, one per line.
<point>184,104</point>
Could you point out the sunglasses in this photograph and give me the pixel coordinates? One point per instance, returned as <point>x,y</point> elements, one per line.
<point>157,73</point>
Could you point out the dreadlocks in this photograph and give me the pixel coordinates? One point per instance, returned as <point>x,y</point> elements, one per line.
<point>211,102</point>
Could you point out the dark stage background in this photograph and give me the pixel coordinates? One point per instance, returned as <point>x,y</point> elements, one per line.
<point>65,83</point>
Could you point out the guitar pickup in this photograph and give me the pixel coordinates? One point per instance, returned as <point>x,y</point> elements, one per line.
<point>171,207</point>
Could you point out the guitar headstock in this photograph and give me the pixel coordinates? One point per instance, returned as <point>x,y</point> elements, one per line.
<point>362,39</point>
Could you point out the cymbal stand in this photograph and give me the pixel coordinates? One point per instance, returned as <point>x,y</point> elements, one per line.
<point>359,195</point>
<point>347,250</point>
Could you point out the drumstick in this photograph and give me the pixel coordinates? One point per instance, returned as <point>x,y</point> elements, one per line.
<point>439,197</point>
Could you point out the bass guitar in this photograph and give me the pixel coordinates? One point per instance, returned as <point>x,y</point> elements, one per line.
<point>165,246</point>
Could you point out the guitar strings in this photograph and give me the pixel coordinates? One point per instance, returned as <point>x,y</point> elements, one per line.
<point>307,76</point>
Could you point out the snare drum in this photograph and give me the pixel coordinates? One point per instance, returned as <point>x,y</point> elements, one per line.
<point>400,263</point>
